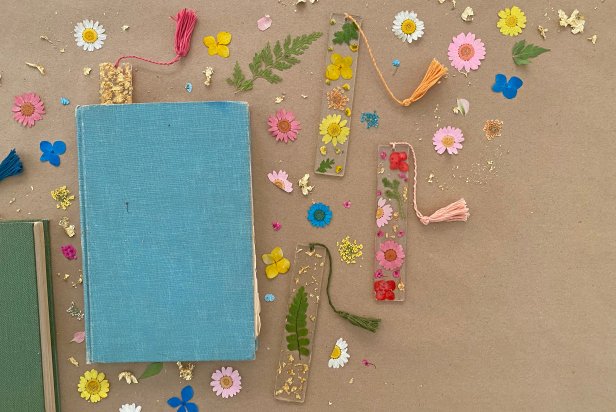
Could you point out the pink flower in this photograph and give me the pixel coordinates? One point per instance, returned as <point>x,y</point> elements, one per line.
<point>378,193</point>
<point>69,252</point>
<point>226,382</point>
<point>28,109</point>
<point>401,233</point>
<point>383,212</point>
<point>276,225</point>
<point>396,274</point>
<point>390,255</point>
<point>466,52</point>
<point>283,126</point>
<point>380,233</point>
<point>383,155</point>
<point>366,362</point>
<point>448,138</point>
<point>378,274</point>
<point>280,179</point>
<point>347,204</point>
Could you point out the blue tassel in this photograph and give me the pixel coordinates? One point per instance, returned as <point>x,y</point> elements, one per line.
<point>10,166</point>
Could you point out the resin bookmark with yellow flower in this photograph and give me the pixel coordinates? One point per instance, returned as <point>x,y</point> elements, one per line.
<point>392,191</point>
<point>336,109</point>
<point>298,337</point>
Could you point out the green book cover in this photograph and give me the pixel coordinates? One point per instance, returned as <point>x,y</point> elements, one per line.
<point>28,367</point>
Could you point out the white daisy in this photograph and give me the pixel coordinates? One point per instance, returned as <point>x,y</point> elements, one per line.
<point>340,355</point>
<point>407,27</point>
<point>90,35</point>
<point>130,408</point>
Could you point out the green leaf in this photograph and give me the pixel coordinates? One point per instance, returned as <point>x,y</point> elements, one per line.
<point>523,52</point>
<point>325,165</point>
<point>151,370</point>
<point>297,312</point>
<point>348,33</point>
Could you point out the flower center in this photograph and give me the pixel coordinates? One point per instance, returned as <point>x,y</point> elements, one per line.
<point>93,386</point>
<point>89,35</point>
<point>279,184</point>
<point>27,109</point>
<point>448,141</point>
<point>319,215</point>
<point>226,382</point>
<point>333,129</point>
<point>511,21</point>
<point>391,255</point>
<point>408,26</point>
<point>336,352</point>
<point>284,126</point>
<point>379,213</point>
<point>466,52</point>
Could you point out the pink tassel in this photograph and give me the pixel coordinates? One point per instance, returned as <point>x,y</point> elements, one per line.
<point>185,24</point>
<point>455,212</point>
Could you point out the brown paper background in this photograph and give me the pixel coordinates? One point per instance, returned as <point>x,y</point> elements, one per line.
<point>513,310</point>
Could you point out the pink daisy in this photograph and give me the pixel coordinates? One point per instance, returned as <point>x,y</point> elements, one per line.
<point>28,109</point>
<point>226,382</point>
<point>283,126</point>
<point>390,255</point>
<point>466,52</point>
<point>383,212</point>
<point>280,179</point>
<point>448,138</point>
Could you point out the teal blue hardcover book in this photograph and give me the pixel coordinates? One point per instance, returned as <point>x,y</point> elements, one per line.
<point>167,232</point>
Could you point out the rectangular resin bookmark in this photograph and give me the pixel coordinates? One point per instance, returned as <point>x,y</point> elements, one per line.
<point>340,73</point>
<point>298,337</point>
<point>392,190</point>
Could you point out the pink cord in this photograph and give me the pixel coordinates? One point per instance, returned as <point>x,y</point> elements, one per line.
<point>185,24</point>
<point>455,212</point>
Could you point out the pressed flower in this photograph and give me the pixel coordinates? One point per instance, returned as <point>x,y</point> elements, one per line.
<point>338,169</point>
<point>390,255</point>
<point>218,45</point>
<point>69,252</point>
<point>511,21</point>
<point>269,297</point>
<point>28,109</point>
<point>226,382</point>
<point>283,126</point>
<point>384,289</point>
<point>334,129</point>
<point>371,119</point>
<point>276,226</point>
<point>183,404</point>
<point>396,273</point>
<point>323,150</point>
<point>319,215</point>
<point>395,63</point>
<point>347,204</point>
<point>509,88</point>
<point>90,35</point>
<point>378,273</point>
<point>93,386</point>
<point>380,233</point>
<point>276,263</point>
<point>354,47</point>
<point>384,211</point>
<point>52,152</point>
<point>304,185</point>
<point>337,99</point>
<point>340,66</point>
<point>493,128</point>
<point>349,251</point>
<point>264,22</point>
<point>280,179</point>
<point>340,354</point>
<point>407,27</point>
<point>130,408</point>
<point>466,52</point>
<point>448,139</point>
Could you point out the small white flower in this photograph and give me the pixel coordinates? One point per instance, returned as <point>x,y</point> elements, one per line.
<point>90,35</point>
<point>407,27</point>
<point>340,355</point>
<point>130,408</point>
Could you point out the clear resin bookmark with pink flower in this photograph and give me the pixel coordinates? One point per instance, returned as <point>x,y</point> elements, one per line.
<point>392,191</point>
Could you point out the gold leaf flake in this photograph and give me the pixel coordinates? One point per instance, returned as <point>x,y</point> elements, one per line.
<point>87,71</point>
<point>186,370</point>
<point>542,31</point>
<point>66,276</point>
<point>467,14</point>
<point>73,361</point>
<point>43,37</point>
<point>351,380</point>
<point>38,67</point>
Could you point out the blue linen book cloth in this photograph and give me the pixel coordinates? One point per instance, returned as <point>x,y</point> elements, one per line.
<point>167,232</point>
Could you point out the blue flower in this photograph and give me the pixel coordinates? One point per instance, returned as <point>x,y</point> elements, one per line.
<point>184,405</point>
<point>269,297</point>
<point>508,88</point>
<point>52,152</point>
<point>188,87</point>
<point>65,101</point>
<point>371,119</point>
<point>319,215</point>
<point>395,63</point>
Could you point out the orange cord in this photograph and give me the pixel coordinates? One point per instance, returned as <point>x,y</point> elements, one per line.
<point>434,73</point>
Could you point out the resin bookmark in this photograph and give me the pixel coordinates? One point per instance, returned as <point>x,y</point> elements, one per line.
<point>298,337</point>
<point>392,192</point>
<point>339,76</point>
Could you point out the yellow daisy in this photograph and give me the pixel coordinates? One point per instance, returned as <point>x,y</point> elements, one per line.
<point>334,130</point>
<point>93,386</point>
<point>218,45</point>
<point>512,21</point>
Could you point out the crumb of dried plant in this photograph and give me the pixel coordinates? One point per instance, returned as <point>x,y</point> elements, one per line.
<point>593,39</point>
<point>208,72</point>
<point>493,128</point>
<point>87,71</point>
<point>576,21</point>
<point>125,27</point>
<point>467,14</point>
<point>128,377</point>
<point>542,31</point>
<point>38,67</point>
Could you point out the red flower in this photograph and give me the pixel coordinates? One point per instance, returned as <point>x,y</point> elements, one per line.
<point>384,289</point>
<point>397,160</point>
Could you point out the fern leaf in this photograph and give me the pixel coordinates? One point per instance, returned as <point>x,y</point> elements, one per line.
<point>296,324</point>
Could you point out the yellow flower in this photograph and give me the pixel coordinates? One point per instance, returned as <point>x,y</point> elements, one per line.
<point>323,150</point>
<point>339,66</point>
<point>346,87</point>
<point>93,386</point>
<point>512,21</point>
<point>334,129</point>
<point>347,111</point>
<point>338,169</point>
<point>354,47</point>
<point>276,263</point>
<point>219,45</point>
